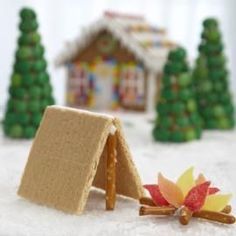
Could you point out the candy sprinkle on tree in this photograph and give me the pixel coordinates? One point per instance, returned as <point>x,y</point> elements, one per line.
<point>211,80</point>
<point>178,119</point>
<point>30,90</point>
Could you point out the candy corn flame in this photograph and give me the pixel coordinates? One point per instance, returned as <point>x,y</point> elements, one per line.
<point>194,194</point>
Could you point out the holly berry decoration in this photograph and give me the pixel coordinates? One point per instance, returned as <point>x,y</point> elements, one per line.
<point>211,80</point>
<point>30,89</point>
<point>177,115</point>
<point>187,198</point>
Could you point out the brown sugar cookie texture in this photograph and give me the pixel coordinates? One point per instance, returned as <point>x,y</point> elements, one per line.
<point>69,155</point>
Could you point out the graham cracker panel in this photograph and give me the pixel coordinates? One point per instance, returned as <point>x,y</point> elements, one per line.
<point>100,177</point>
<point>70,128</point>
<point>64,158</point>
<point>128,182</point>
<point>52,182</point>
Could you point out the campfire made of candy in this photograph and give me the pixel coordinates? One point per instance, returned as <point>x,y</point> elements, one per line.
<point>187,198</point>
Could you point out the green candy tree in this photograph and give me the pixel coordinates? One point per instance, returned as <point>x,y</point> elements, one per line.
<point>211,80</point>
<point>177,116</point>
<point>30,90</point>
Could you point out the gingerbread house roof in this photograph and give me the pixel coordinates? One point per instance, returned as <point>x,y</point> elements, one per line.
<point>148,44</point>
<point>69,155</point>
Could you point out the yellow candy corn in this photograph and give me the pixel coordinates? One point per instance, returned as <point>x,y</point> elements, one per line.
<point>216,202</point>
<point>186,181</point>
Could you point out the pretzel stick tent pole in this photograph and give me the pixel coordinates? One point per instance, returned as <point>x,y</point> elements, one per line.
<point>111,172</point>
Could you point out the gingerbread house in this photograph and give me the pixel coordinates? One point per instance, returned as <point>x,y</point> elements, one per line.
<point>115,63</point>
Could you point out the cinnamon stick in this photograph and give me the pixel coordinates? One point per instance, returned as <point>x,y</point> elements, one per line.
<point>215,216</point>
<point>227,209</point>
<point>111,172</point>
<point>146,201</point>
<point>185,216</point>
<point>161,211</point>
<point>149,202</point>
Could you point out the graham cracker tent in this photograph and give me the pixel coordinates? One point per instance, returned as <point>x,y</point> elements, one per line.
<point>73,150</point>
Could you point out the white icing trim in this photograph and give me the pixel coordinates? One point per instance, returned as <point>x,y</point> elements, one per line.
<point>153,58</point>
<point>113,130</point>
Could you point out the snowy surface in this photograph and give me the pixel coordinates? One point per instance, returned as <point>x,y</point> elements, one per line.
<point>214,155</point>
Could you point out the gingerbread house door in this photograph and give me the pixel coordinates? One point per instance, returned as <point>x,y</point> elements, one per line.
<point>104,73</point>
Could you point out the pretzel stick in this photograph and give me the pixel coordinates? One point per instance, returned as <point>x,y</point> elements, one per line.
<point>146,201</point>
<point>162,211</point>
<point>227,209</point>
<point>111,173</point>
<point>185,216</point>
<point>215,216</point>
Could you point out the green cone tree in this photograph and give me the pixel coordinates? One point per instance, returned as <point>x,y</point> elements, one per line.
<point>211,80</point>
<point>30,90</point>
<point>177,116</point>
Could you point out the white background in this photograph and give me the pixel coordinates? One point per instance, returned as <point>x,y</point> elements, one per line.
<point>62,20</point>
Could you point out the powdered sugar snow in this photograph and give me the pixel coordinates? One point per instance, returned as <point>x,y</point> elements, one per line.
<point>214,155</point>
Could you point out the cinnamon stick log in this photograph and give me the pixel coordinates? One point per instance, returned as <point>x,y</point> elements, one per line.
<point>215,216</point>
<point>149,202</point>
<point>111,173</point>
<point>227,209</point>
<point>146,201</point>
<point>185,216</point>
<point>161,211</point>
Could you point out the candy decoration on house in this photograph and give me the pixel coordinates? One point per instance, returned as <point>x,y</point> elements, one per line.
<point>30,89</point>
<point>178,119</point>
<point>123,55</point>
<point>212,80</point>
<point>74,150</point>
<point>187,198</point>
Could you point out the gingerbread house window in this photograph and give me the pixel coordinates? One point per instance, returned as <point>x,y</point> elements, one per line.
<point>79,85</point>
<point>132,89</point>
